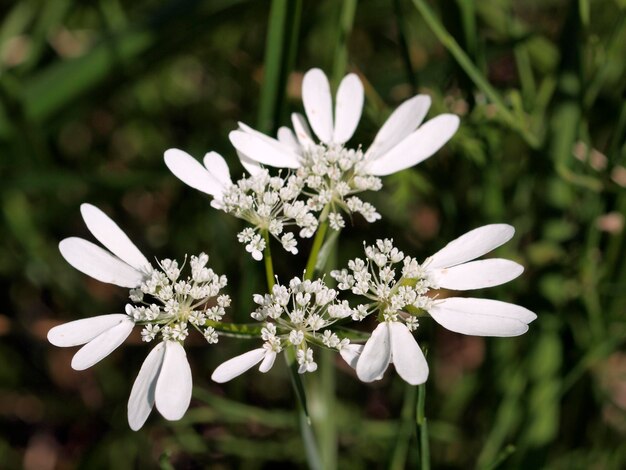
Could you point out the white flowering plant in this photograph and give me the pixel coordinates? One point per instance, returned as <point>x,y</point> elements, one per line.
<point>305,183</point>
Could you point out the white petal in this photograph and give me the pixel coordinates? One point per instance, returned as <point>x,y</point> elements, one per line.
<point>318,104</point>
<point>237,365</point>
<point>258,149</point>
<point>471,245</point>
<point>481,317</point>
<point>218,168</point>
<point>287,137</point>
<point>191,172</point>
<point>111,236</point>
<point>301,128</point>
<point>82,331</point>
<point>376,355</point>
<point>268,361</point>
<point>417,147</point>
<point>274,143</point>
<point>408,358</point>
<point>251,166</point>
<point>348,108</point>
<point>141,398</point>
<point>351,354</point>
<point>173,388</point>
<point>404,120</point>
<point>477,274</point>
<point>99,263</point>
<point>102,345</point>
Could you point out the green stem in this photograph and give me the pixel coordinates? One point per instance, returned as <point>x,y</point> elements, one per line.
<point>340,59</point>
<point>405,431</point>
<point>308,438</point>
<point>272,92</point>
<point>317,244</point>
<point>323,404</point>
<point>422,424</point>
<point>235,330</point>
<point>269,265</point>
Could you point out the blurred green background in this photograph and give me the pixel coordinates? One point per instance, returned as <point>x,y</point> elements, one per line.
<point>92,93</point>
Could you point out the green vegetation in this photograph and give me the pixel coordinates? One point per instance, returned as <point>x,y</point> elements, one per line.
<point>92,93</point>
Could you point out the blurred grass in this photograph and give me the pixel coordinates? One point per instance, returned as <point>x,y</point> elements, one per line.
<point>91,94</point>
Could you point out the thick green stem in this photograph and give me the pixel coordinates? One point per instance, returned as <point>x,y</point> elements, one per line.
<point>308,438</point>
<point>269,265</point>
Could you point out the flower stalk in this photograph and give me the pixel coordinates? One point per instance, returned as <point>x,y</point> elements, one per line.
<point>267,258</point>
<point>422,425</point>
<point>318,241</point>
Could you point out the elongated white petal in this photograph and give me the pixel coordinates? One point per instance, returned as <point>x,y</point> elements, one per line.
<point>141,398</point>
<point>278,145</point>
<point>417,147</point>
<point>111,236</point>
<point>408,358</point>
<point>481,317</point>
<point>318,104</point>
<point>99,263</point>
<point>191,172</point>
<point>258,149</point>
<point>237,365</point>
<point>301,128</point>
<point>404,120</point>
<point>348,108</point>
<point>376,355</point>
<point>218,168</point>
<point>287,137</point>
<point>351,354</point>
<point>251,166</point>
<point>268,361</point>
<point>172,394</point>
<point>477,274</point>
<point>473,244</point>
<point>82,331</point>
<point>102,345</point>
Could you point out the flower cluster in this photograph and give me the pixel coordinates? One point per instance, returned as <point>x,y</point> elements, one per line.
<point>331,170</point>
<point>321,182</point>
<point>165,379</point>
<point>399,301</point>
<point>333,173</point>
<point>269,204</point>
<point>168,304</point>
<point>375,279</point>
<point>296,315</point>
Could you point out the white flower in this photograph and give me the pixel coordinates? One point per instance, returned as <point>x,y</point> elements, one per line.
<point>238,365</point>
<point>164,380</point>
<point>267,203</point>
<point>213,178</point>
<point>211,335</point>
<point>165,376</point>
<point>452,268</point>
<point>401,143</point>
<point>304,358</point>
<point>123,265</point>
<point>392,342</point>
<point>100,335</point>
